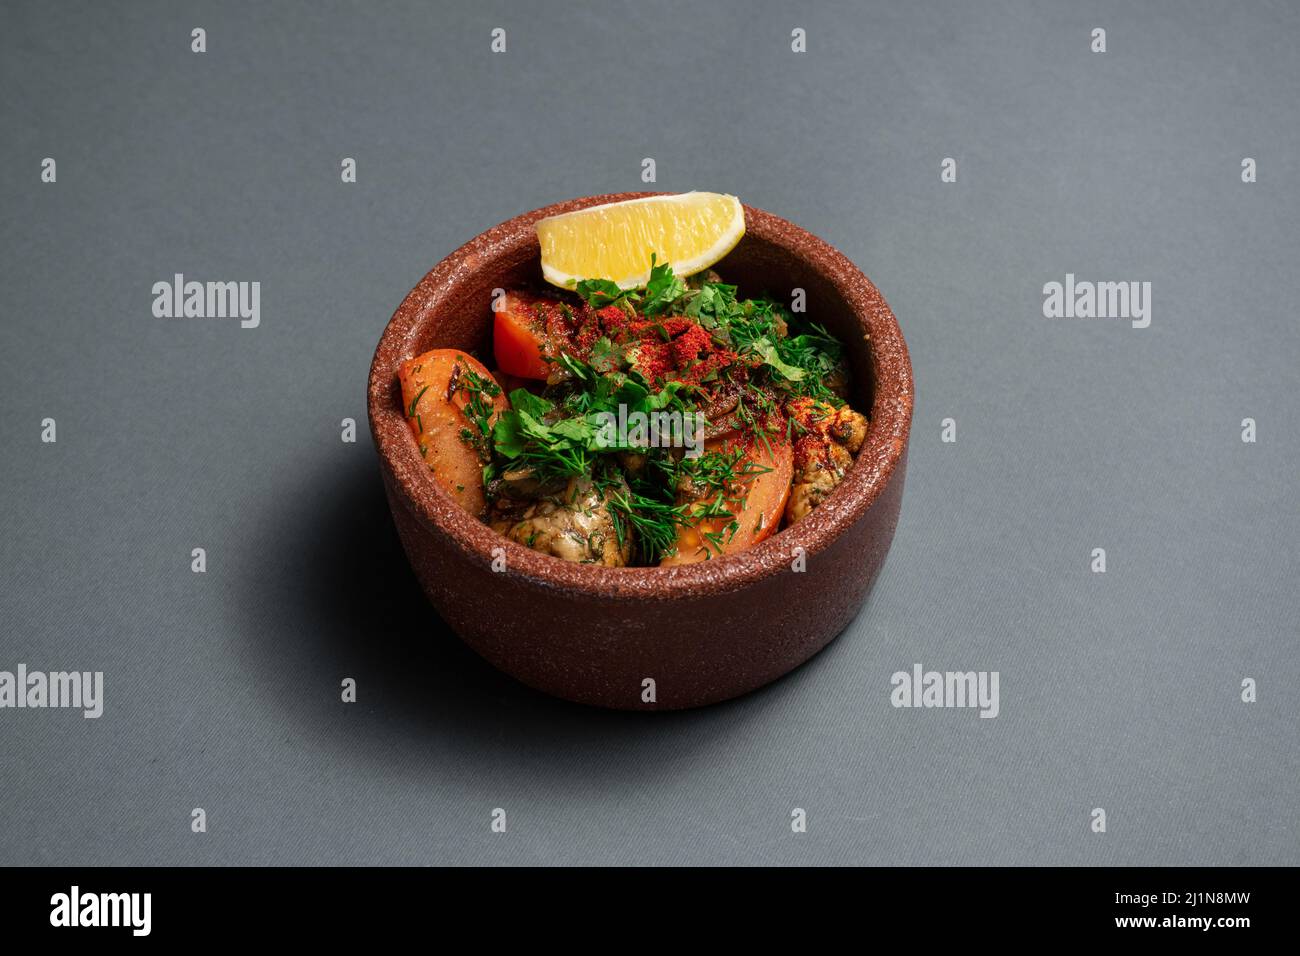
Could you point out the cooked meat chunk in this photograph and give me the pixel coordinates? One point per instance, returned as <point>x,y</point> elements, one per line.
<point>632,461</point>
<point>574,525</point>
<point>837,380</point>
<point>826,438</point>
<point>825,422</point>
<point>700,278</point>
<point>518,484</point>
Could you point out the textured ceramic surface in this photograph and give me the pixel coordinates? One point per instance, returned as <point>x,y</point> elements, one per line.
<point>703,632</point>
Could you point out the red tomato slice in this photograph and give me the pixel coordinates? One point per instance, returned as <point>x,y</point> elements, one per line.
<point>519,339</point>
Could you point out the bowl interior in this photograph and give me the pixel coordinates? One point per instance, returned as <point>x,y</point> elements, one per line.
<point>451,308</point>
<point>758,266</point>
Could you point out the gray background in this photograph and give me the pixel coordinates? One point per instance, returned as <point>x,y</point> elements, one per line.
<point>1118,690</point>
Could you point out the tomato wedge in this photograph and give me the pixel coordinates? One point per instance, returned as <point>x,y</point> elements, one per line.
<point>520,340</point>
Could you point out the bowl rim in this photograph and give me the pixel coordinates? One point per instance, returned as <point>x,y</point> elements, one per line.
<point>474,541</point>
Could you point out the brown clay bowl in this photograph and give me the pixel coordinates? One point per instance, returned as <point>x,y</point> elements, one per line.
<point>703,632</point>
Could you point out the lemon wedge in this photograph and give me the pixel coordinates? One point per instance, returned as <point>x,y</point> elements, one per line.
<point>690,231</point>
